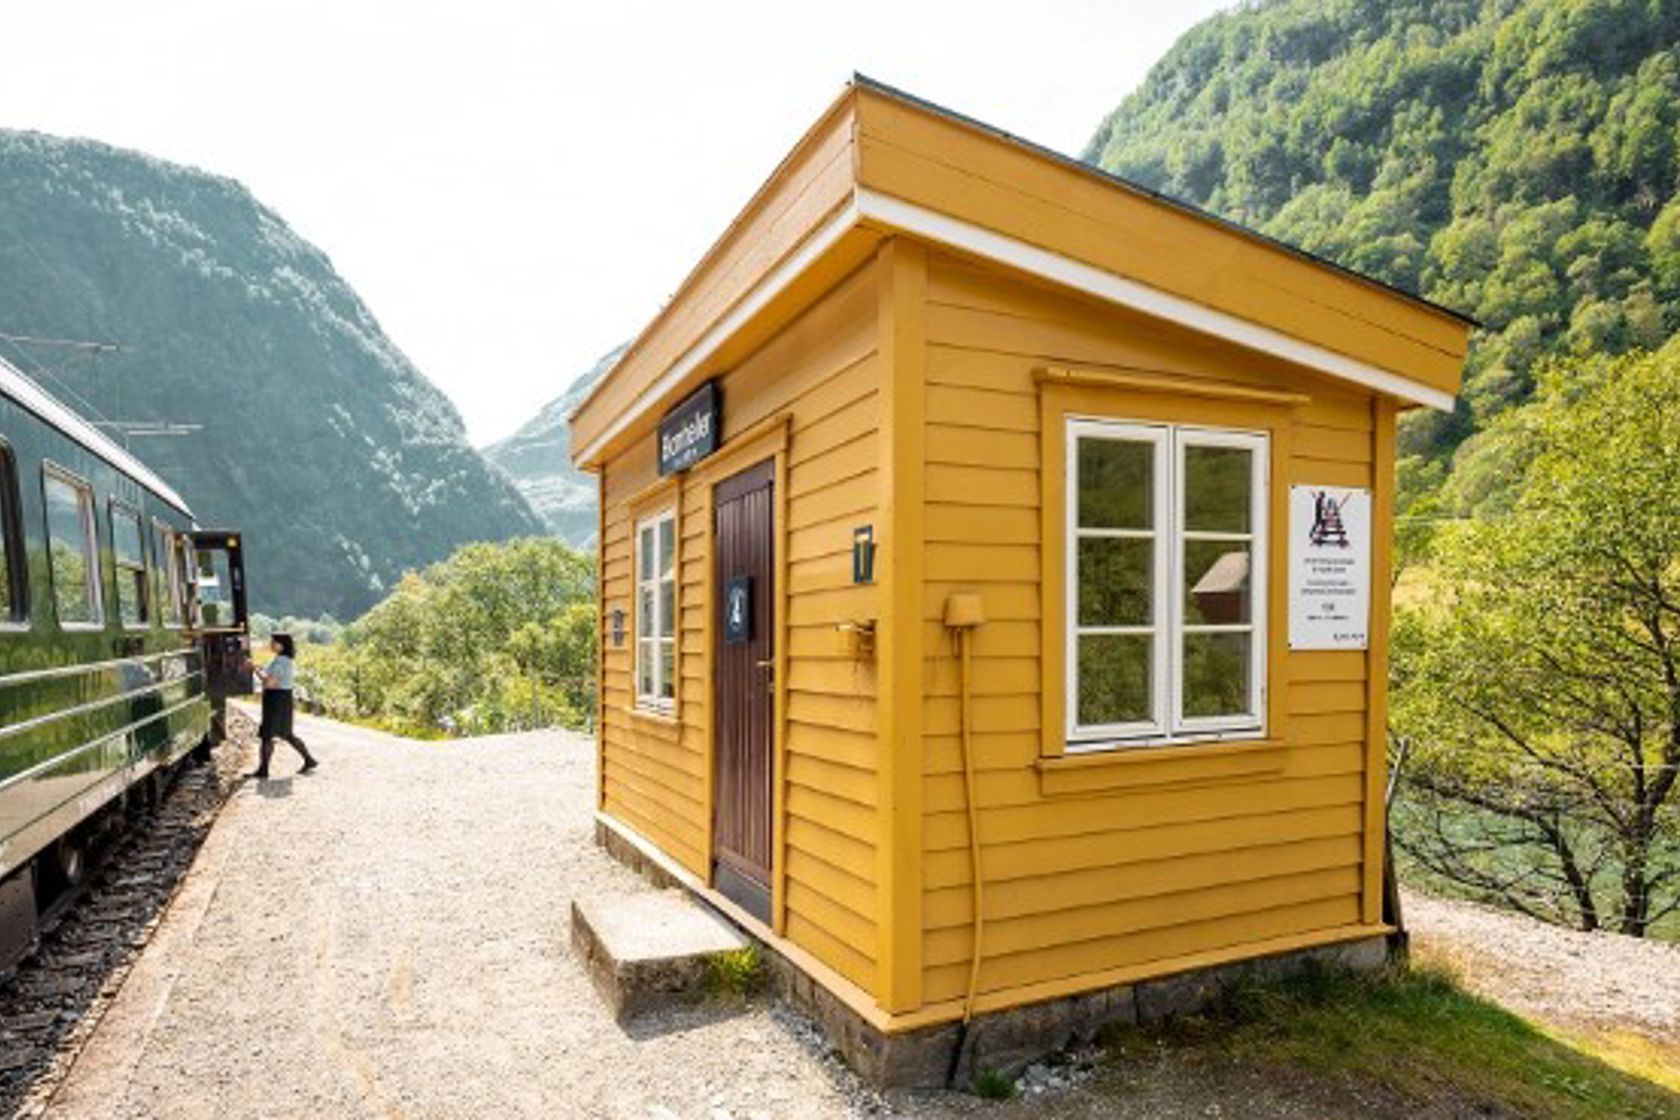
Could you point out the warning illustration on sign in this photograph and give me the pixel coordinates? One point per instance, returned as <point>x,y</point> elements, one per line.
<point>1329,567</point>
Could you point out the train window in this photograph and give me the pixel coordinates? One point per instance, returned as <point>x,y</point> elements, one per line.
<point>166,569</point>
<point>215,589</point>
<point>129,550</point>
<point>14,564</point>
<point>72,541</point>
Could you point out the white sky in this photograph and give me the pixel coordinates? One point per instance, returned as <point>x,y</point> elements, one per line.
<point>515,186</point>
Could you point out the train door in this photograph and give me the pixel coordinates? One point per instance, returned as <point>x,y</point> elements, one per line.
<point>221,621</point>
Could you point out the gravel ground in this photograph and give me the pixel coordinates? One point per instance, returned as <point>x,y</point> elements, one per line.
<point>50,1006</point>
<point>389,937</point>
<point>1597,981</point>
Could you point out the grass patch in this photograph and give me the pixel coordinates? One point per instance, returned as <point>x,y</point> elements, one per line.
<point>736,974</point>
<point>1631,1053</point>
<point>991,1085</point>
<point>1419,1036</point>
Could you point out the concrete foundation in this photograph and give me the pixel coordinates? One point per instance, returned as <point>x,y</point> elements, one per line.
<point>1006,1042</point>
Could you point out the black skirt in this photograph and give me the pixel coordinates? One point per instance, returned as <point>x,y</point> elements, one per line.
<point>276,714</point>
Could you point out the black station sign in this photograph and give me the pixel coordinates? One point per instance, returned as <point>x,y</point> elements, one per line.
<point>689,432</point>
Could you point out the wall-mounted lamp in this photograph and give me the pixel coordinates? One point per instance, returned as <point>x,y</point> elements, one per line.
<point>863,554</point>
<point>618,626</point>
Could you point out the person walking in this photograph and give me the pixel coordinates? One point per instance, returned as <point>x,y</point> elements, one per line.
<point>276,679</point>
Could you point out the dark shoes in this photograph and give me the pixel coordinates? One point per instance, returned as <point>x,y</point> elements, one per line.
<point>308,765</point>
<point>259,775</point>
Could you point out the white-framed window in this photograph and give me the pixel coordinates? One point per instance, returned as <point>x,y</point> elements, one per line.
<point>128,549</point>
<point>1166,581</point>
<point>656,611</point>
<point>73,548</point>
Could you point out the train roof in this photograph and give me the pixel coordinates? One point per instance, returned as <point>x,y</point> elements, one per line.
<point>19,387</point>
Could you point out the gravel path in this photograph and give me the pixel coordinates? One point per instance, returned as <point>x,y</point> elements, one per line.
<point>1586,980</point>
<point>389,937</point>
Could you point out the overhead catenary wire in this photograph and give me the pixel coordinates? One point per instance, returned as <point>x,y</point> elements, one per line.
<point>126,429</point>
<point>43,370</point>
<point>66,343</point>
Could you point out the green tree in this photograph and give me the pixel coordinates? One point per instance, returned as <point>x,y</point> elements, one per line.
<point>496,638</point>
<point>1540,689</point>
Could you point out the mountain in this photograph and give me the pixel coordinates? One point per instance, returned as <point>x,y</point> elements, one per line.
<point>320,440</point>
<point>1513,159</point>
<point>538,457</point>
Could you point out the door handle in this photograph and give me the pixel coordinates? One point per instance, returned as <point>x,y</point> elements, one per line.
<point>768,663</point>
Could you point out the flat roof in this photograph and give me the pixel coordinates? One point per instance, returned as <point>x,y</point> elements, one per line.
<point>885,90</point>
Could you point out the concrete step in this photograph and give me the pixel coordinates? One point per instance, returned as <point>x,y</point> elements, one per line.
<point>651,950</point>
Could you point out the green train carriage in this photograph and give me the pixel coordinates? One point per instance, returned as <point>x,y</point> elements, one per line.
<point>122,632</point>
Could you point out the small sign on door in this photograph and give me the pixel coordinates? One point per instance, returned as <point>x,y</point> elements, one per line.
<point>737,610</point>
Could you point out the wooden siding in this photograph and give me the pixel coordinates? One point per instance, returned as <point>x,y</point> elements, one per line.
<point>822,373</point>
<point>1161,868</point>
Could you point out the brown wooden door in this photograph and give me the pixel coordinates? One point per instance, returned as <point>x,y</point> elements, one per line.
<point>744,646</point>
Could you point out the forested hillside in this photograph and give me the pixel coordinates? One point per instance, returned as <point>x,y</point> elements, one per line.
<point>1513,159</point>
<point>538,457</point>
<point>1516,160</point>
<point>319,438</point>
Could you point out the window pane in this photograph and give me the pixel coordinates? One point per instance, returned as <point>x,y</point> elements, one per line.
<point>162,585</point>
<point>215,589</point>
<point>1114,676</point>
<point>1217,489</point>
<point>1115,580</point>
<point>71,551</point>
<point>667,607</point>
<point>125,538</point>
<point>644,666</point>
<point>169,576</point>
<point>131,567</point>
<point>1216,674</point>
<point>1116,484</point>
<point>667,545</point>
<point>668,670</point>
<point>1216,583</point>
<point>131,596</point>
<point>182,578</point>
<point>644,612</point>
<point>644,551</point>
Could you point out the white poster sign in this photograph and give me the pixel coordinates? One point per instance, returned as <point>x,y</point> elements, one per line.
<point>1329,567</point>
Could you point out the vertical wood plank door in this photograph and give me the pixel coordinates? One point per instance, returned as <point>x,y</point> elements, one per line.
<point>743,679</point>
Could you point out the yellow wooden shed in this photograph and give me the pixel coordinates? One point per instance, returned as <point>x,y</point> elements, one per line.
<point>995,552</point>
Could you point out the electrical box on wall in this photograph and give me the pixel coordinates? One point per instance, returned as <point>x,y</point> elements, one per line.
<point>858,638</point>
